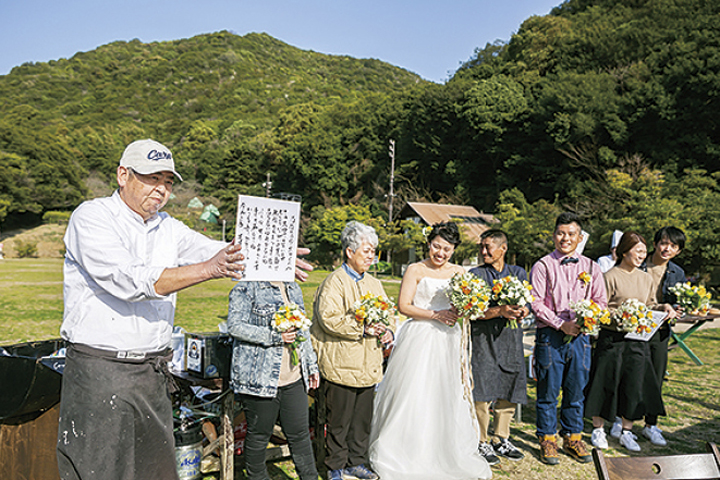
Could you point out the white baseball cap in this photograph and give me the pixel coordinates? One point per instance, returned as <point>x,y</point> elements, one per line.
<point>148,156</point>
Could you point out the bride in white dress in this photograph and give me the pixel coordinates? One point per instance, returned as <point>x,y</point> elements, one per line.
<point>424,427</point>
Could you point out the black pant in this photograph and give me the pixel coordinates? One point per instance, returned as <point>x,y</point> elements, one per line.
<point>349,415</point>
<point>291,405</point>
<point>659,356</point>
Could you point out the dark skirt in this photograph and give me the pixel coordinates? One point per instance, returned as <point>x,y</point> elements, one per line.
<point>623,382</point>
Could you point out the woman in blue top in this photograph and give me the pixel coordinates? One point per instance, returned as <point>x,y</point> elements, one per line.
<point>264,376</point>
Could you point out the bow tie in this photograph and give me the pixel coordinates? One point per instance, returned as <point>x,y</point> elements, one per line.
<point>567,260</point>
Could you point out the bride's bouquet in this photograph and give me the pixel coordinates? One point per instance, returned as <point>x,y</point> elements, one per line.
<point>589,315</point>
<point>289,317</point>
<point>373,309</point>
<point>634,316</point>
<point>694,299</point>
<point>511,291</point>
<point>469,295</point>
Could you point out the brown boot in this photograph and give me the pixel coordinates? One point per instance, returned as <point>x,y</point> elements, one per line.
<point>549,450</point>
<point>575,447</point>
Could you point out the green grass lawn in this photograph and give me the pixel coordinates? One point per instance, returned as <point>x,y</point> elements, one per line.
<point>31,309</point>
<point>31,303</point>
<point>202,307</point>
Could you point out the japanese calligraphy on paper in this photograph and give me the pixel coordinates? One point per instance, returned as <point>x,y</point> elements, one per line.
<point>267,230</point>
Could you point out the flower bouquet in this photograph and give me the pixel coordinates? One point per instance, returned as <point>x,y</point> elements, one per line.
<point>511,291</point>
<point>589,315</point>
<point>469,295</point>
<point>634,316</point>
<point>373,309</point>
<point>694,299</point>
<point>289,317</point>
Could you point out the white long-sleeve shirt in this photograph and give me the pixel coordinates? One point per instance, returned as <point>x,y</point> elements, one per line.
<point>113,259</point>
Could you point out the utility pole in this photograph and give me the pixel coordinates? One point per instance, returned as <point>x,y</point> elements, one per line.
<point>391,194</point>
<point>392,179</point>
<point>267,185</point>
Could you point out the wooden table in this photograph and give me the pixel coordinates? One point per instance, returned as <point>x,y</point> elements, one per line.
<point>226,435</point>
<point>678,339</point>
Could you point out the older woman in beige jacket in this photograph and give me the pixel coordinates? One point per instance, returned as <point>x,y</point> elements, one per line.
<point>349,357</point>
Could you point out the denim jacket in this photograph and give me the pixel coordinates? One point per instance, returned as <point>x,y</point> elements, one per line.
<point>257,348</point>
<point>673,274</point>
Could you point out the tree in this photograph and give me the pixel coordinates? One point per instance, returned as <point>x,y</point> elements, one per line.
<point>529,226</point>
<point>322,234</point>
<point>489,107</point>
<point>699,195</point>
<point>17,188</point>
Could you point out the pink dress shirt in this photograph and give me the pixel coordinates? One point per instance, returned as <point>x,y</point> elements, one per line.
<point>556,286</point>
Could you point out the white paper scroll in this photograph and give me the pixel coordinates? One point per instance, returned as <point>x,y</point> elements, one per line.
<point>267,230</point>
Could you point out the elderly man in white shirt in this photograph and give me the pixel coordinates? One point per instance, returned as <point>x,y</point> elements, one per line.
<point>125,260</point>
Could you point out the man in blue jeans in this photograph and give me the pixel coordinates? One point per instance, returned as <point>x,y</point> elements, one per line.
<point>560,279</point>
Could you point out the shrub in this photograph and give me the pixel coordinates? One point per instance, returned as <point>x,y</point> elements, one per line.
<point>26,249</point>
<point>59,218</point>
<point>381,267</point>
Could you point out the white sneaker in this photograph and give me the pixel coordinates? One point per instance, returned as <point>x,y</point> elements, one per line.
<point>654,434</point>
<point>599,439</point>
<point>616,429</point>
<point>627,440</point>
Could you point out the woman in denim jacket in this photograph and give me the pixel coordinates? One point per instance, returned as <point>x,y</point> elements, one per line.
<point>263,375</point>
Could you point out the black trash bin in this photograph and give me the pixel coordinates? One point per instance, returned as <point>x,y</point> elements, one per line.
<point>30,378</point>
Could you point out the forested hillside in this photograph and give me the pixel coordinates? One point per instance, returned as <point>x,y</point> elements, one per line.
<point>64,120</point>
<point>604,107</point>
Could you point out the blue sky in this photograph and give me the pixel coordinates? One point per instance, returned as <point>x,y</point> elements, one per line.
<point>430,38</point>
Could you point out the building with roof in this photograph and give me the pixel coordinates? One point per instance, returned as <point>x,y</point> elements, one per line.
<point>472,222</point>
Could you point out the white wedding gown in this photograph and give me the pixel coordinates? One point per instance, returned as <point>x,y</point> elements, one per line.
<point>423,428</point>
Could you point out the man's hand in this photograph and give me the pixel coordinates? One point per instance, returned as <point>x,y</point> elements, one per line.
<point>511,312</point>
<point>225,263</point>
<point>570,328</point>
<point>301,266</point>
<point>314,381</point>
